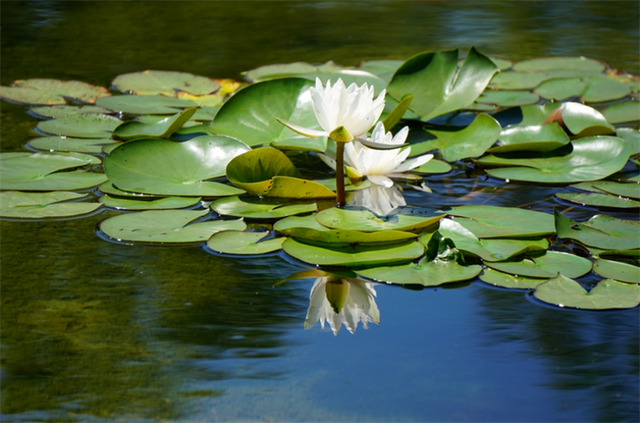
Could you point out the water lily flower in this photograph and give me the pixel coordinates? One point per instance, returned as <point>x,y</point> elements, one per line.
<point>343,113</point>
<point>341,301</point>
<point>379,166</point>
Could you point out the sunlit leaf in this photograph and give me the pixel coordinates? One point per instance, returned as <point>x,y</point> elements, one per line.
<point>617,270</point>
<point>503,222</point>
<point>89,125</point>
<point>51,91</point>
<point>531,138</point>
<point>258,209</point>
<point>79,145</point>
<point>546,265</point>
<point>145,104</point>
<point>159,204</point>
<point>16,204</point>
<point>162,129</point>
<point>151,82</point>
<point>244,243</point>
<point>367,221</point>
<point>601,231</point>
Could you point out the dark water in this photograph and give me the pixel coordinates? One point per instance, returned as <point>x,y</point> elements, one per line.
<point>93,330</point>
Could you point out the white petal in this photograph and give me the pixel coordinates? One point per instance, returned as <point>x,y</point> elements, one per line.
<point>413,163</point>
<point>328,161</point>
<point>380,180</point>
<point>308,132</point>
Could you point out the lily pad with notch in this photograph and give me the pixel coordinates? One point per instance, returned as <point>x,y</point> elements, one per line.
<point>244,243</point>
<point>601,231</point>
<point>367,221</point>
<point>162,129</point>
<point>23,205</point>
<point>168,83</point>
<point>258,209</point>
<point>545,265</point>
<point>154,204</point>
<point>51,91</point>
<point>89,125</point>
<point>145,104</point>
<point>503,222</point>
<point>69,144</point>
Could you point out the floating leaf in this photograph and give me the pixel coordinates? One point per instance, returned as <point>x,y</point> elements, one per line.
<point>51,91</point>
<point>433,166</point>
<point>395,115</point>
<point>607,294</point>
<point>90,125</point>
<point>508,98</point>
<point>289,187</point>
<point>254,170</point>
<point>367,221</point>
<point>287,99</point>
<point>356,256</point>
<point>166,226</point>
<point>151,82</point>
<point>382,68</point>
<point>145,104</point>
<point>626,111</point>
<point>547,265</point>
<point>632,136</point>
<point>517,80</point>
<point>553,63</point>
<point>186,166</point>
<point>581,120</point>
<point>162,129</point>
<point>47,172</point>
<point>599,200</point>
<point>437,85</point>
<point>243,243</point>
<point>159,204</point>
<point>108,188</point>
<point>592,158</point>
<point>57,112</point>
<point>505,280</point>
<point>488,249</point>
<point>310,230</point>
<point>617,270</point>
<point>531,138</point>
<point>590,89</point>
<point>601,231</point>
<point>503,222</point>
<point>471,141</point>
<point>16,204</point>
<point>240,207</point>
<point>78,145</point>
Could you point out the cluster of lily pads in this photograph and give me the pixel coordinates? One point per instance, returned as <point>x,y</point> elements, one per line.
<point>190,159</point>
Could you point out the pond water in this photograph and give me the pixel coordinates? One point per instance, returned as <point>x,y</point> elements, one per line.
<point>93,330</point>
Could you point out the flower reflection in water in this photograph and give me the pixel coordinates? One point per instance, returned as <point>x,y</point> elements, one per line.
<point>378,199</point>
<point>339,300</point>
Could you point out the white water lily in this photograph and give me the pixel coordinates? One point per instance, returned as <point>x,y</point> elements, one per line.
<point>341,301</point>
<point>350,111</point>
<point>379,166</point>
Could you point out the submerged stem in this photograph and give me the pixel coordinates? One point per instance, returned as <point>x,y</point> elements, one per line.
<point>340,201</point>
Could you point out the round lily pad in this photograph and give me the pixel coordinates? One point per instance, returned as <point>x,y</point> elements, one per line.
<point>51,91</point>
<point>356,256</point>
<point>599,200</point>
<point>547,265</point>
<point>186,166</point>
<point>367,221</point>
<point>505,280</point>
<point>626,111</point>
<point>590,89</point>
<point>617,270</point>
<point>506,98</point>
<point>601,231</point>
<point>256,209</point>
<point>25,205</point>
<point>531,138</point>
<point>152,82</point>
<point>161,129</point>
<point>145,104</point>
<point>158,204</point>
<point>244,243</point>
<point>61,111</point>
<point>79,145</point>
<point>89,125</point>
<point>503,222</point>
<point>553,63</point>
<point>607,294</point>
<point>166,226</point>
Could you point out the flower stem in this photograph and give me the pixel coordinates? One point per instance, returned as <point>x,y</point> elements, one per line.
<point>340,201</point>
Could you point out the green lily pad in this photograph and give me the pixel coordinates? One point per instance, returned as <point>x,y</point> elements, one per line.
<point>90,125</point>
<point>307,228</point>
<point>627,111</point>
<point>544,64</point>
<point>287,99</point>
<point>531,138</point>
<point>108,188</point>
<point>503,222</point>
<point>353,256</point>
<point>159,204</point>
<point>78,145</point>
<point>508,98</point>
<point>615,188</point>
<point>162,129</point>
<point>47,172</point>
<point>534,114</point>
<point>367,221</point>
<point>601,231</point>
<point>166,226</point>
<point>145,104</point>
<point>239,207</point>
<point>591,159</point>
<point>632,136</point>
<point>289,187</point>
<point>488,249</point>
<point>151,82</point>
<point>590,89</point>
<point>471,141</point>
<point>433,166</point>
<point>61,111</point>
<point>381,68</point>
<point>505,280</point>
<point>607,294</point>
<point>254,170</point>
<point>547,265</point>
<point>436,83</point>
<point>185,170</point>
<point>243,243</point>
<point>426,273</point>
<point>581,120</point>
<point>51,91</point>
<point>396,114</point>
<point>517,80</point>
<point>599,200</point>
<point>617,270</point>
<point>24,205</point>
